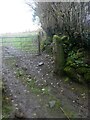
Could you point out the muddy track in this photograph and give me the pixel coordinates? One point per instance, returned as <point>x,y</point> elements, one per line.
<point>24,101</point>
<point>26,104</point>
<point>68,98</point>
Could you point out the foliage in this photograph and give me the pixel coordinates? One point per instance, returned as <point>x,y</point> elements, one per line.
<point>71,18</point>
<point>72,21</point>
<point>46,45</point>
<point>87,76</point>
<point>76,68</point>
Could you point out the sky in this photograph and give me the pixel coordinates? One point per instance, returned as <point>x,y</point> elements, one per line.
<point>15,16</point>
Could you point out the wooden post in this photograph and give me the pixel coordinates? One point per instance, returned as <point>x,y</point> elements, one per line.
<point>39,49</point>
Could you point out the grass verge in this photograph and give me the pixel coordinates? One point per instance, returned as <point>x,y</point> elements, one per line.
<point>6,104</point>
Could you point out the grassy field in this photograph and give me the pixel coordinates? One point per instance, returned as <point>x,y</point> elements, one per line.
<point>26,42</point>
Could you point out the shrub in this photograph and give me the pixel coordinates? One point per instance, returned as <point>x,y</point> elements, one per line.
<point>87,77</point>
<point>46,44</point>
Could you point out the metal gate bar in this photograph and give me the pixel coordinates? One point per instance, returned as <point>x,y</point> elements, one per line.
<point>22,43</point>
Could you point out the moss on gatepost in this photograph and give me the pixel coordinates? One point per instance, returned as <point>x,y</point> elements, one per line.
<point>58,54</point>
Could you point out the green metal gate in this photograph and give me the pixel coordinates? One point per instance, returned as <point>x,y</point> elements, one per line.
<point>26,44</point>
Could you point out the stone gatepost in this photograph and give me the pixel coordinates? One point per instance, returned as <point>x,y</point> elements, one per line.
<point>58,54</point>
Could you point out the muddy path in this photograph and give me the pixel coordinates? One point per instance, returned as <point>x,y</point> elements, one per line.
<point>26,104</point>
<point>73,97</point>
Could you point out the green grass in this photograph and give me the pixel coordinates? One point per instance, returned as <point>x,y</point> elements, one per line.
<point>27,43</point>
<point>6,104</point>
<point>31,83</point>
<point>6,108</point>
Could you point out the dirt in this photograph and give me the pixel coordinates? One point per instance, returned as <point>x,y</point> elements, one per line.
<point>72,96</point>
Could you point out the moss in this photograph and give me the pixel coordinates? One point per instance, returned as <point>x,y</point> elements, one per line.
<point>64,38</point>
<point>58,53</point>
<point>61,38</point>
<point>57,39</point>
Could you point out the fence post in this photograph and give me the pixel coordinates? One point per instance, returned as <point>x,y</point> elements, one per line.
<point>39,40</point>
